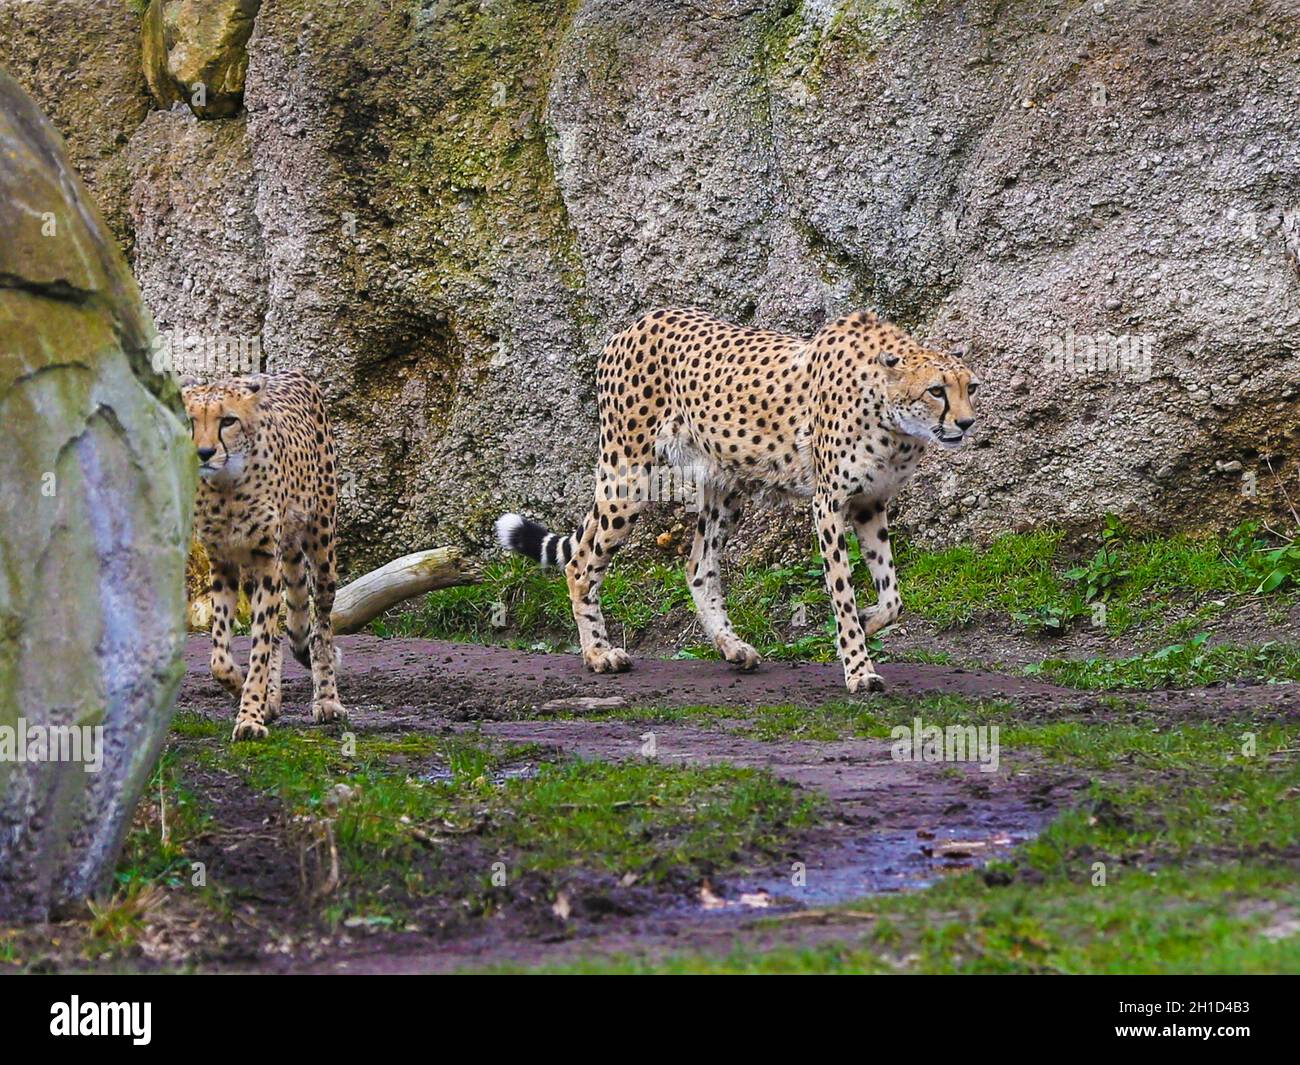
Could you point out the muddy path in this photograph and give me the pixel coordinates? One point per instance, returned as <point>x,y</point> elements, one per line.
<point>390,684</point>
<point>888,825</point>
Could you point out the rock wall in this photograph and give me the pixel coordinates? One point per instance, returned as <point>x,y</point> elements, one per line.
<point>441,208</point>
<point>80,60</point>
<point>96,480</point>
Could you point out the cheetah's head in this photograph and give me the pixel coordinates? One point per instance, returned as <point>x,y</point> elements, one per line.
<point>930,393</point>
<point>223,422</point>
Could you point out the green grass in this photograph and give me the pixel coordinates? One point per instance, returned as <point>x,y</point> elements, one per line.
<point>1193,824</point>
<point>396,809</point>
<point>1131,735</point>
<point>523,605</point>
<point>1032,579</point>
<point>838,719</point>
<point>169,816</point>
<point>1016,573</point>
<point>649,819</point>
<point>1190,663</point>
<point>1208,920</point>
<point>156,854</point>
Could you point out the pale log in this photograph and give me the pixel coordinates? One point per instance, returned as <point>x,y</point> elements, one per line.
<point>372,593</point>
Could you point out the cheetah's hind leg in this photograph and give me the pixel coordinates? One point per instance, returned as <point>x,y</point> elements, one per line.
<point>325,706</point>
<point>607,526</point>
<point>273,694</point>
<point>225,599</point>
<point>719,515</point>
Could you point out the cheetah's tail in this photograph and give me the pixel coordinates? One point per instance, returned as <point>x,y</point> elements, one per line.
<point>535,541</point>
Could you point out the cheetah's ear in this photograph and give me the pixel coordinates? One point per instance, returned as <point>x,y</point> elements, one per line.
<point>187,381</point>
<point>254,382</point>
<point>888,359</point>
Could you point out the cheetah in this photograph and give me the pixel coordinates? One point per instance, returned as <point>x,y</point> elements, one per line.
<point>265,509</point>
<point>840,418</point>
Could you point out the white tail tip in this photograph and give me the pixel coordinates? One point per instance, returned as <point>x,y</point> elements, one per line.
<point>508,526</point>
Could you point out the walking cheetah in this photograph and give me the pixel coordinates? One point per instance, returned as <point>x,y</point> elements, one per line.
<point>265,506</point>
<point>841,418</point>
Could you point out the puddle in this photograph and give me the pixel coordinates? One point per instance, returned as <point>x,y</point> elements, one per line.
<point>880,863</point>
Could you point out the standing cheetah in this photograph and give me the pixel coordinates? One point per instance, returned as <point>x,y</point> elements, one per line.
<point>265,505</point>
<point>841,418</point>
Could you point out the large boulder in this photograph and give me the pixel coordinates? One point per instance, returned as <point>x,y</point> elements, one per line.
<point>195,51</point>
<point>96,483</point>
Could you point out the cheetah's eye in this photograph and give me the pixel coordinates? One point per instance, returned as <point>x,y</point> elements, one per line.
<point>971,387</point>
<point>936,391</point>
<point>228,421</point>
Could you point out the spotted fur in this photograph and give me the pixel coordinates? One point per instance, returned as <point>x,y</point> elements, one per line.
<point>840,418</point>
<point>265,512</point>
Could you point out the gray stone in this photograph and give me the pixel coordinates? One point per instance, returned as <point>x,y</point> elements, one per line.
<point>96,478</point>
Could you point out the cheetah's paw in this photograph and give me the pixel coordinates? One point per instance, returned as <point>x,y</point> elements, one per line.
<point>738,653</point>
<point>230,679</point>
<point>323,711</point>
<point>865,682</point>
<point>248,727</point>
<point>607,660</point>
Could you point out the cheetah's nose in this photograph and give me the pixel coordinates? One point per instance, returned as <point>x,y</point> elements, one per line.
<point>965,423</point>
<point>206,453</point>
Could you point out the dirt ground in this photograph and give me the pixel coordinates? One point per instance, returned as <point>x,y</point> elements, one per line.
<point>395,685</point>
<point>890,825</point>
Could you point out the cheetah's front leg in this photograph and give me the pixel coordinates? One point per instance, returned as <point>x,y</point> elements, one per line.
<point>871,523</point>
<point>859,672</point>
<point>224,590</point>
<point>265,604</point>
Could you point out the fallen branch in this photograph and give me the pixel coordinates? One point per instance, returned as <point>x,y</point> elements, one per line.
<point>823,916</point>
<point>372,593</point>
